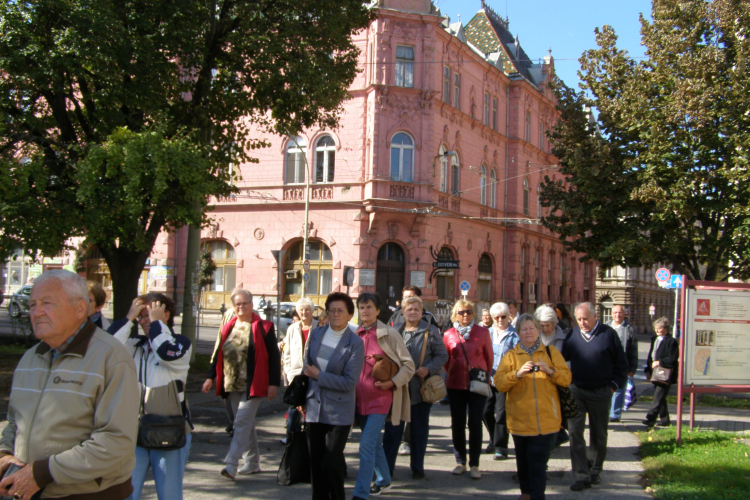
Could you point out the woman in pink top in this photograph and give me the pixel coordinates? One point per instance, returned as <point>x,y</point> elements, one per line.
<point>375,399</point>
<point>466,340</point>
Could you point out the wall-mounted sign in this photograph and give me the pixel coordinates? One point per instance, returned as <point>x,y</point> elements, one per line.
<point>367,277</point>
<point>417,278</point>
<point>441,264</point>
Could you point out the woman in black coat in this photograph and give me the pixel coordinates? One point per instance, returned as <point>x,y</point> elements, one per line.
<point>665,353</point>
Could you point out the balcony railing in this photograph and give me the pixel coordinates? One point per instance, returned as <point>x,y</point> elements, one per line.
<point>316,193</point>
<point>402,192</point>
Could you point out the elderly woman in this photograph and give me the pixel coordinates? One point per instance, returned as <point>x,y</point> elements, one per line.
<point>296,339</point>
<point>425,344</point>
<point>376,399</point>
<point>504,338</point>
<point>530,374</point>
<point>333,361</point>
<point>664,352</point>
<point>469,346</point>
<point>246,367</point>
<point>323,319</point>
<point>486,318</point>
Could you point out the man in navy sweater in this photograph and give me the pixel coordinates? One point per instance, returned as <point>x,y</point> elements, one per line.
<point>599,366</point>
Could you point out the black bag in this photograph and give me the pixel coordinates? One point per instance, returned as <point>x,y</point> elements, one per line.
<point>161,432</point>
<point>479,379</point>
<point>568,406</point>
<point>296,394</point>
<point>295,463</point>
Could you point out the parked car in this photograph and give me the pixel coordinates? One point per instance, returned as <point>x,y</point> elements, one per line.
<point>19,301</point>
<point>287,308</point>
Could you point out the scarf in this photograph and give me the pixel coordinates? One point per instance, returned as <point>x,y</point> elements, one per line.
<point>464,331</point>
<point>530,350</point>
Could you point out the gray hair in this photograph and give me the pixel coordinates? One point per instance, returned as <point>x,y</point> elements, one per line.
<point>304,302</point>
<point>546,314</point>
<point>414,299</point>
<point>499,308</point>
<point>662,322</point>
<point>239,291</point>
<point>587,305</point>
<point>73,285</point>
<point>527,317</point>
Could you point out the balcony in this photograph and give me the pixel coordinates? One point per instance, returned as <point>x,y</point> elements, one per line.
<point>316,193</point>
<point>402,191</point>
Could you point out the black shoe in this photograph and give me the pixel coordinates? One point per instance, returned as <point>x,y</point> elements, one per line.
<point>663,423</point>
<point>490,449</point>
<point>596,479</point>
<point>649,423</point>
<point>580,485</point>
<point>444,401</point>
<point>376,490</point>
<point>417,475</point>
<point>514,477</point>
<point>613,419</point>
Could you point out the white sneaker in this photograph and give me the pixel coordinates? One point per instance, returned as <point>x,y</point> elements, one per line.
<point>249,468</point>
<point>475,474</point>
<point>229,471</point>
<point>459,469</point>
<point>404,449</point>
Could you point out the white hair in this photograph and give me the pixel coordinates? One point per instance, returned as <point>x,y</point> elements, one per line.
<point>239,291</point>
<point>73,285</point>
<point>587,305</point>
<point>304,302</point>
<point>499,308</point>
<point>546,314</point>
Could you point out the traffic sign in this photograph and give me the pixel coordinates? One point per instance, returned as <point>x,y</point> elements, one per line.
<point>675,281</point>
<point>306,277</point>
<point>663,274</point>
<point>465,287</point>
<point>306,265</point>
<point>651,309</point>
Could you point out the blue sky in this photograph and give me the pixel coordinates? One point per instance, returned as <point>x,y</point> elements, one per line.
<point>565,25</point>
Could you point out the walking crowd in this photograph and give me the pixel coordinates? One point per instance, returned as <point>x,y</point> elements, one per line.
<point>91,411</point>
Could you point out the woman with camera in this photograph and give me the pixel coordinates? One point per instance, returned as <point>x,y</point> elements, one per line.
<point>530,374</point>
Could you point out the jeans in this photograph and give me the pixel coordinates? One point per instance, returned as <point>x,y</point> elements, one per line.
<point>532,453</point>
<point>659,406</point>
<point>494,420</point>
<point>168,466</point>
<point>595,403</point>
<point>327,443</point>
<point>391,441</point>
<point>460,399</point>
<point>420,432</point>
<point>245,439</point>
<point>618,399</point>
<point>371,455</point>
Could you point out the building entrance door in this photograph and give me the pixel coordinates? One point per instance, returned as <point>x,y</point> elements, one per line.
<point>389,277</point>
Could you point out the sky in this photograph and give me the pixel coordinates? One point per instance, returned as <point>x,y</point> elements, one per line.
<point>567,26</point>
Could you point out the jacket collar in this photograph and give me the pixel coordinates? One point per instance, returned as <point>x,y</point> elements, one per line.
<point>79,345</point>
<point>382,330</point>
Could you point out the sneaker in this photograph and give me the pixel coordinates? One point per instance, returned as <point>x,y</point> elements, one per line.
<point>500,456</point>
<point>475,474</point>
<point>249,468</point>
<point>490,449</point>
<point>376,490</point>
<point>229,472</point>
<point>459,469</point>
<point>596,479</point>
<point>649,423</point>
<point>417,475</point>
<point>614,419</point>
<point>282,440</point>
<point>404,449</point>
<point>580,485</point>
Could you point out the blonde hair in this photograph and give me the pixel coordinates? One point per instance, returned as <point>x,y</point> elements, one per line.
<point>412,300</point>
<point>460,305</point>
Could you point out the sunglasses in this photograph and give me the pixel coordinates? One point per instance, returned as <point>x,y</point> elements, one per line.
<point>500,317</point>
<point>465,313</point>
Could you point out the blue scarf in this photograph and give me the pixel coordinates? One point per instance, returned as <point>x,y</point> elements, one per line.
<point>464,330</point>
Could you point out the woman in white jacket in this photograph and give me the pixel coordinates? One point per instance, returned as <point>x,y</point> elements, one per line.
<point>296,340</point>
<point>161,358</point>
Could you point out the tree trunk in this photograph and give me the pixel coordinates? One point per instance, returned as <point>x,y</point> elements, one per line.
<point>125,267</point>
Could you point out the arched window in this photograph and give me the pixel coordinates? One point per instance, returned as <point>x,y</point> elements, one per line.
<point>402,158</point>
<point>483,185</point>
<point>321,271</point>
<point>484,280</point>
<point>220,291</point>
<point>525,196</point>
<point>445,278</point>
<point>539,201</point>
<point>443,170</point>
<point>455,176</point>
<point>295,161</point>
<point>493,189</point>
<point>325,156</point>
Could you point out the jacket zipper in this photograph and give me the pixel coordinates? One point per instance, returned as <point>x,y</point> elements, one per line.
<point>36,409</point>
<point>536,400</point>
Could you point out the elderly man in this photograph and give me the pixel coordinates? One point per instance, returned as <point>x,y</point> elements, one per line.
<point>597,361</point>
<point>397,318</point>
<point>73,413</point>
<point>629,340</point>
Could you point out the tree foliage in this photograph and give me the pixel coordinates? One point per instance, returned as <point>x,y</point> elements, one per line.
<point>661,174</point>
<point>121,118</point>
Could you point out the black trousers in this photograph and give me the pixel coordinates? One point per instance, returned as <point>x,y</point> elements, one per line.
<point>659,404</point>
<point>532,454</point>
<point>494,420</point>
<point>327,444</point>
<point>460,400</point>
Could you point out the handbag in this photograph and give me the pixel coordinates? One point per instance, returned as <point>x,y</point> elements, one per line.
<point>568,405</point>
<point>12,469</point>
<point>479,378</point>
<point>433,388</point>
<point>661,375</point>
<point>296,394</point>
<point>295,463</point>
<point>384,368</point>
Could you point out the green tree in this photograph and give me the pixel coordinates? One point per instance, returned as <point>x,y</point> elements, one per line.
<point>121,118</point>
<point>660,175</point>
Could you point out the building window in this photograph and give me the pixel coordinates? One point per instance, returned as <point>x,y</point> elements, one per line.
<point>486,109</point>
<point>457,91</point>
<point>443,170</point>
<point>404,66</point>
<point>325,156</point>
<point>528,126</point>
<point>446,84</point>
<point>483,185</point>
<point>550,260</point>
<point>539,201</point>
<point>607,305</point>
<point>445,278</point>
<point>541,135</point>
<point>222,253</point>
<point>493,189</point>
<point>455,176</point>
<point>523,265</point>
<point>484,280</point>
<point>525,196</point>
<point>494,113</point>
<point>402,158</point>
<point>321,270</point>
<point>295,161</point>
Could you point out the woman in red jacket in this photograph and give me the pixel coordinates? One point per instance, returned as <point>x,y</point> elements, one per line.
<point>469,346</point>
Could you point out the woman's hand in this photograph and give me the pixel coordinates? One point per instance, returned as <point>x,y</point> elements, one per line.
<point>385,386</point>
<point>157,312</point>
<point>526,368</point>
<point>545,368</point>
<point>312,371</point>
<point>655,364</point>
<point>302,409</point>
<point>207,385</point>
<point>422,372</point>
<point>271,392</point>
<point>135,309</point>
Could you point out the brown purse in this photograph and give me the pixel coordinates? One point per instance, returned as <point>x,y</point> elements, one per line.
<point>384,368</point>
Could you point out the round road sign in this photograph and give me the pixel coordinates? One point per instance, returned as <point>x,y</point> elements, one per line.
<point>306,277</point>
<point>464,286</point>
<point>306,265</point>
<point>663,274</point>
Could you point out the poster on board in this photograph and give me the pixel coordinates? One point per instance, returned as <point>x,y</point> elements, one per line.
<point>717,338</point>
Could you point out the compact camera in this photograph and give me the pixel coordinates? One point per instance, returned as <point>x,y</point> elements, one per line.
<point>535,369</point>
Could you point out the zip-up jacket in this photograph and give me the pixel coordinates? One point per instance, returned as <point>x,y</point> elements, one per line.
<point>532,406</point>
<point>628,335</point>
<point>478,349</point>
<point>76,419</point>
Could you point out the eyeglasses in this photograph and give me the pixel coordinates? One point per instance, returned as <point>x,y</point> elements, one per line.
<point>242,304</point>
<point>336,312</point>
<point>467,312</point>
<point>498,318</point>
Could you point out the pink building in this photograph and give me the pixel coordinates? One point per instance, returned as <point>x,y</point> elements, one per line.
<point>441,146</point>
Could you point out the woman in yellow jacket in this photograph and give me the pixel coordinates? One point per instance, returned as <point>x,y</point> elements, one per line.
<point>530,375</point>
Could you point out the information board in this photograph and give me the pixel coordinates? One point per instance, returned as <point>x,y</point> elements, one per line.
<point>717,337</point>
<point>367,277</point>
<point>416,278</point>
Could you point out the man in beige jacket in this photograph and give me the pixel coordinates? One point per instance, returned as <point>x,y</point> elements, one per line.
<point>73,413</point>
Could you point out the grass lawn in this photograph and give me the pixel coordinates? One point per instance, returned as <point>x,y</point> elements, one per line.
<point>708,466</point>
<point>707,400</point>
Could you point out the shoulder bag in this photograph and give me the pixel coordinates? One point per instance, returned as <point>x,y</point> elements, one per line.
<point>384,369</point>
<point>433,388</point>
<point>568,403</point>
<point>661,375</point>
<point>295,463</point>
<point>479,378</point>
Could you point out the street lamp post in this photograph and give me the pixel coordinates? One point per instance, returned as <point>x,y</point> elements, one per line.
<point>307,210</point>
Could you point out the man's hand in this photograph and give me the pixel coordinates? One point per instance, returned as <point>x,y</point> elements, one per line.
<point>654,364</point>
<point>423,372</point>
<point>135,309</point>
<point>21,484</point>
<point>207,385</point>
<point>312,371</point>
<point>157,312</point>
<point>6,460</point>
<point>271,392</point>
<point>385,386</point>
